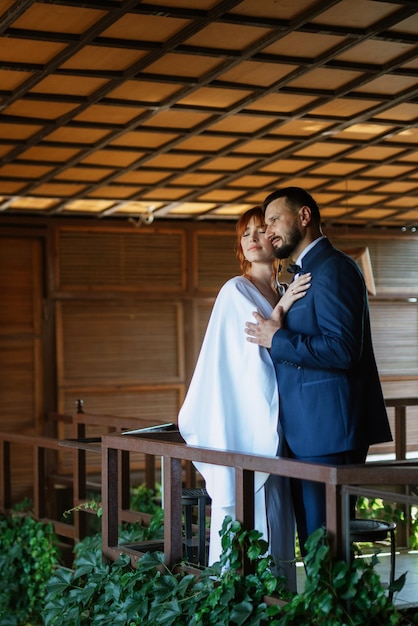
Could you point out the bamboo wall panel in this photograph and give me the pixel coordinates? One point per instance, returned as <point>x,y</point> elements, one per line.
<point>215,259</point>
<point>18,368</point>
<point>151,259</point>
<point>201,313</point>
<point>395,337</point>
<point>107,344</point>
<point>20,285</point>
<point>21,372</point>
<point>396,266</point>
<point>20,334</point>
<point>394,262</point>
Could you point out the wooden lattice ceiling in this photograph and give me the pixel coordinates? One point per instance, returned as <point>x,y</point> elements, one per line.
<point>198,108</point>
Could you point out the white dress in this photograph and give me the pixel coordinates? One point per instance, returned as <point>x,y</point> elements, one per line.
<point>232,404</point>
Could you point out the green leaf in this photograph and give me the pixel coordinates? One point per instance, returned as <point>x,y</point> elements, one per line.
<point>88,561</point>
<point>399,583</point>
<point>171,610</point>
<point>185,583</point>
<point>60,582</point>
<point>151,560</point>
<point>85,594</point>
<point>240,612</point>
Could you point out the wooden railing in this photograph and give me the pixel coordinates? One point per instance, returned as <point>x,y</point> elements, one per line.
<point>174,451</point>
<point>42,495</point>
<point>46,480</point>
<point>400,405</point>
<point>83,443</point>
<point>43,487</point>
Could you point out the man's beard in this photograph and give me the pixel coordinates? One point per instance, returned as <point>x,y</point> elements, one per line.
<point>288,244</point>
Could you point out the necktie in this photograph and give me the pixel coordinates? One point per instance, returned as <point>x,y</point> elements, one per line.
<point>294,269</point>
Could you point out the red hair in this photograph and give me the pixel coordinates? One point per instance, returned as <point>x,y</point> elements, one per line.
<point>256,214</point>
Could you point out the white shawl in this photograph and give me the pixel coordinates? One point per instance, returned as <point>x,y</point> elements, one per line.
<point>232,404</point>
<point>232,401</point>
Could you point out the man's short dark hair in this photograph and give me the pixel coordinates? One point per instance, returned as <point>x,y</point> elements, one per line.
<point>296,198</point>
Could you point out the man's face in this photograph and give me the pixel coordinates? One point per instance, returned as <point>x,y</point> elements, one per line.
<point>283,228</point>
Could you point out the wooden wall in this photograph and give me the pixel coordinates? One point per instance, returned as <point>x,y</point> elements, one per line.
<point>115,315</point>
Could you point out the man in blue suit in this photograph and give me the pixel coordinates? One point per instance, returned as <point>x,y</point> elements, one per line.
<point>330,399</point>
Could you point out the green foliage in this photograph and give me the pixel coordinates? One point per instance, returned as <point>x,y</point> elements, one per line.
<point>28,558</point>
<point>91,506</point>
<point>145,500</point>
<point>376,508</point>
<point>336,593</point>
<point>340,593</point>
<point>135,532</point>
<point>142,499</point>
<point>114,593</point>
<point>413,539</point>
<point>95,592</point>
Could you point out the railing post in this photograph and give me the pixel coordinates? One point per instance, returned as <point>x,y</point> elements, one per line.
<point>172,485</point>
<point>334,519</point>
<point>244,508</point>
<point>6,479</point>
<point>400,432</point>
<point>400,453</point>
<point>80,479</point>
<point>345,514</point>
<point>110,518</point>
<point>39,482</point>
<point>150,481</point>
<point>125,491</point>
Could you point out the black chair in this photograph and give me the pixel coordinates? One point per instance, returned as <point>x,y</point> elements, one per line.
<point>372,531</point>
<point>195,498</point>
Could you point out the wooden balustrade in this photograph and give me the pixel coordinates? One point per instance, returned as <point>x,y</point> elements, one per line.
<point>174,450</point>
<point>45,482</point>
<point>82,426</point>
<point>42,488</point>
<point>400,405</point>
<point>115,450</point>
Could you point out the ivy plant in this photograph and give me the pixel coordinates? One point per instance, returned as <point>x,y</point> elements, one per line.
<point>340,593</point>
<point>145,499</point>
<point>114,593</point>
<point>28,558</point>
<point>94,592</point>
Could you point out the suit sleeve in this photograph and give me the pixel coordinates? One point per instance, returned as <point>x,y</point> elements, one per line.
<point>326,330</point>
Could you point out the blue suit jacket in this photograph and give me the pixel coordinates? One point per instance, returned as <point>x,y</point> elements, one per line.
<point>330,394</point>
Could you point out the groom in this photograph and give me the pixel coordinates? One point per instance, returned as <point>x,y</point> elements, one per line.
<point>331,402</point>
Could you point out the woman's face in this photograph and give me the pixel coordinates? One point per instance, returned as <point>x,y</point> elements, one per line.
<point>254,244</point>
